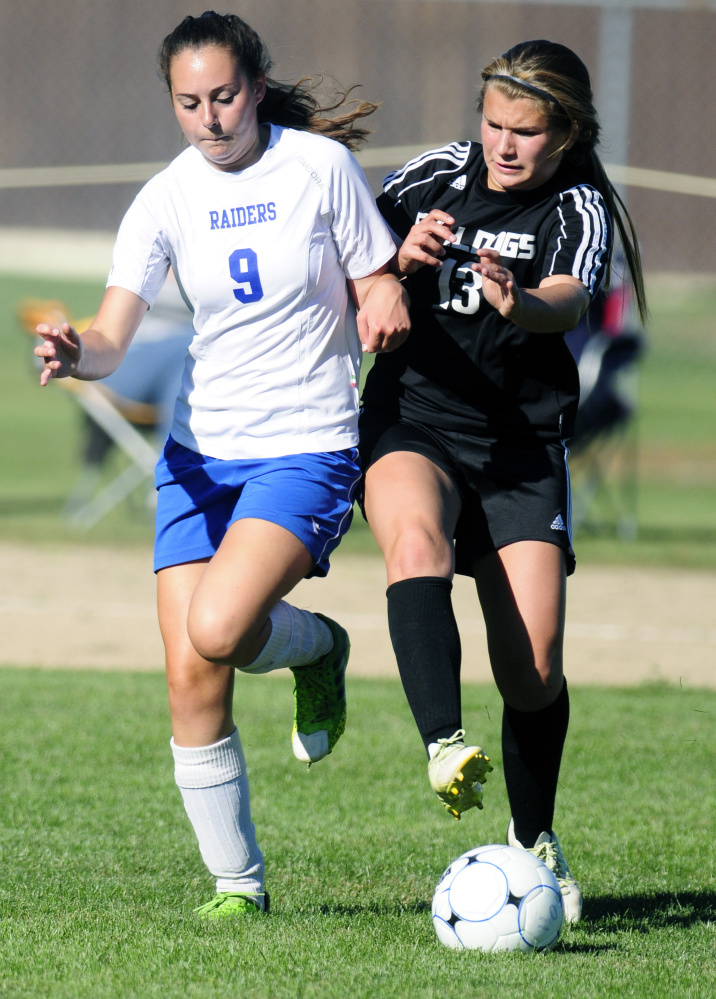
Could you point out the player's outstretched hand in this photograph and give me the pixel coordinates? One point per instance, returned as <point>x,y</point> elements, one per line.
<point>61,351</point>
<point>384,320</point>
<point>425,243</point>
<point>499,287</point>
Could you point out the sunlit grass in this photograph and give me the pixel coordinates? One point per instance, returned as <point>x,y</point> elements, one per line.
<point>100,871</point>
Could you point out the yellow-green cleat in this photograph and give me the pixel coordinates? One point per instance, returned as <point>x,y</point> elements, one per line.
<point>230,905</point>
<point>320,699</point>
<point>457,773</point>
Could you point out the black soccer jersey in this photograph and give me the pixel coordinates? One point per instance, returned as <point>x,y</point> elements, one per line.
<point>464,367</point>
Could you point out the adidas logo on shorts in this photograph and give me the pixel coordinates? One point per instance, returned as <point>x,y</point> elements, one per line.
<point>558,524</point>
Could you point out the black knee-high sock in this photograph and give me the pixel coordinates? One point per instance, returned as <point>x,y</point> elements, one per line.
<point>532,743</point>
<point>426,642</point>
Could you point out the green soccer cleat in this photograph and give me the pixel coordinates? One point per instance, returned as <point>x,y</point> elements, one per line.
<point>456,773</point>
<point>320,695</point>
<point>549,851</point>
<point>230,905</point>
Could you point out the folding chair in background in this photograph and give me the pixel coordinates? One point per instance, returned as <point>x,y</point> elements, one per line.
<point>131,410</point>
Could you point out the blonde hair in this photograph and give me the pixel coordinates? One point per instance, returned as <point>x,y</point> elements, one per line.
<point>557,80</point>
<point>292,105</point>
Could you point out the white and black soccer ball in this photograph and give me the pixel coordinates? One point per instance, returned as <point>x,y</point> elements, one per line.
<point>498,898</point>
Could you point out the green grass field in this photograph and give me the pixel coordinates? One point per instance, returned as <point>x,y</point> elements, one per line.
<point>100,869</point>
<point>101,873</point>
<point>676,442</point>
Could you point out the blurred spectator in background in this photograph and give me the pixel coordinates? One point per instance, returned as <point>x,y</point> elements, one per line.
<point>606,344</point>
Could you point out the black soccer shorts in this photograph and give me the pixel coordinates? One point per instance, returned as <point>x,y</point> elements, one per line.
<point>511,489</point>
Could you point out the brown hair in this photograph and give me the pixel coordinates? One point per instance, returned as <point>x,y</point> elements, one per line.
<point>557,80</point>
<point>292,105</point>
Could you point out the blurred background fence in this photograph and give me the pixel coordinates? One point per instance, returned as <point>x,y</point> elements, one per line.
<point>85,120</point>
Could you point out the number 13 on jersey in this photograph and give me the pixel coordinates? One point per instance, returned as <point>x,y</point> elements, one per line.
<point>459,287</point>
<point>244,269</point>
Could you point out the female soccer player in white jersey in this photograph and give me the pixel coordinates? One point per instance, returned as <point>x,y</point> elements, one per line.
<point>504,243</point>
<point>270,229</point>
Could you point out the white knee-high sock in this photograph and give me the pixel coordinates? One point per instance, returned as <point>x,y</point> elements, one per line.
<point>215,788</point>
<point>297,637</point>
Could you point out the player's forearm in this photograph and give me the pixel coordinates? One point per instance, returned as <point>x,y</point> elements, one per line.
<point>100,356</point>
<point>106,341</point>
<point>552,309</point>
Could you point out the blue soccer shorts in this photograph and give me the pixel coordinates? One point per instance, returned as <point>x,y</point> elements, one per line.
<point>310,495</point>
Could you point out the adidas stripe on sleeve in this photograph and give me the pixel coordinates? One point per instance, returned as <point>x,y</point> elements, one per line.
<point>581,238</point>
<point>406,190</point>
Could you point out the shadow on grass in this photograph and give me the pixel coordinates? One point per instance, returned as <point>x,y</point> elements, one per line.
<point>639,912</point>
<point>583,948</point>
<point>375,909</point>
<point>644,913</point>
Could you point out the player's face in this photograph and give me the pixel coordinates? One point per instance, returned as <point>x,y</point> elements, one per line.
<point>215,104</point>
<point>520,147</point>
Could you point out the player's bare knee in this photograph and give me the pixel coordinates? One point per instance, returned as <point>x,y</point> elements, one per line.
<point>529,684</point>
<point>212,635</point>
<point>417,550</point>
<point>223,640</point>
<point>189,691</point>
<point>549,668</point>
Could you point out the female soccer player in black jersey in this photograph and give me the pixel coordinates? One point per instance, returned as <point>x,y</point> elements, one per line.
<point>504,243</point>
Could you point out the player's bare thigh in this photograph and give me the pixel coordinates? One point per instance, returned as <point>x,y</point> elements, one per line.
<point>522,590</point>
<point>256,564</point>
<point>412,507</point>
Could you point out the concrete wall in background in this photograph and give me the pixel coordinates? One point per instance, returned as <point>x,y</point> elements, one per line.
<point>80,86</point>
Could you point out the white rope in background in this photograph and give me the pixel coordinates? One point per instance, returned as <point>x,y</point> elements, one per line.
<point>383,157</point>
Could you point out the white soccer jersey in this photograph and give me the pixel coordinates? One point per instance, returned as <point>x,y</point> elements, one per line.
<point>262,256</point>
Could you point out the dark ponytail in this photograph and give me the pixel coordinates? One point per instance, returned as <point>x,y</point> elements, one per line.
<point>291,105</point>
